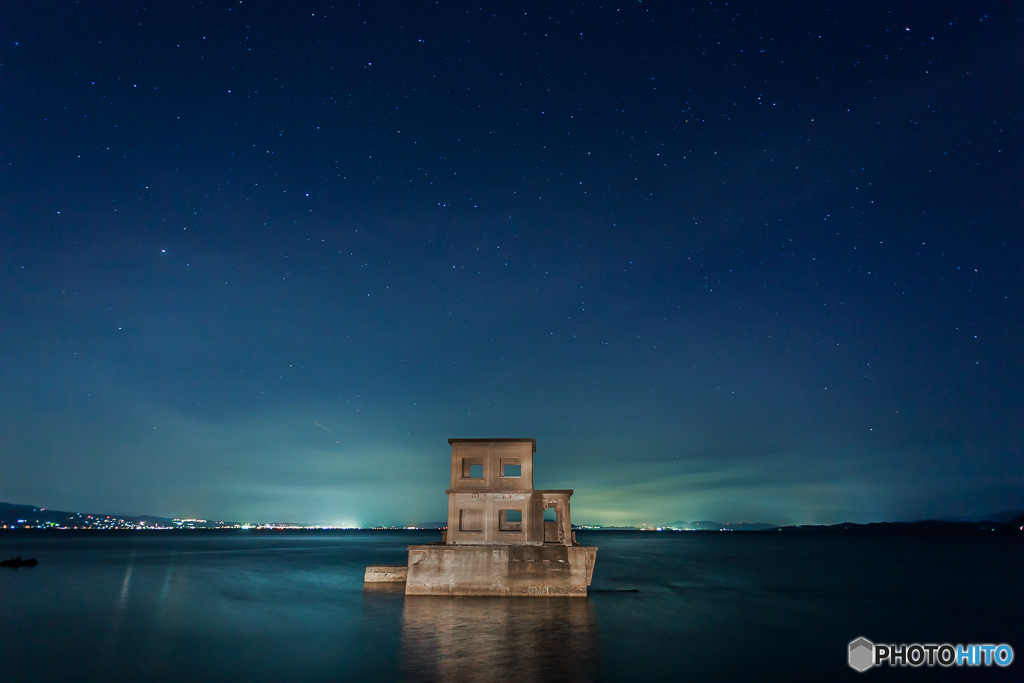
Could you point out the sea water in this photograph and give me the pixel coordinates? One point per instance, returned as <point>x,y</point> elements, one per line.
<point>686,606</point>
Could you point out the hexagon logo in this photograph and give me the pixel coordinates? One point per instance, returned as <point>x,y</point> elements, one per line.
<point>862,654</point>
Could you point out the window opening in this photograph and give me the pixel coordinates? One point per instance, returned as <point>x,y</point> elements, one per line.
<point>511,467</point>
<point>473,468</point>
<point>471,520</point>
<point>552,532</point>
<point>510,520</point>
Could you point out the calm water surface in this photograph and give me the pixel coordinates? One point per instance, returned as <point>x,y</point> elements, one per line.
<point>248,606</point>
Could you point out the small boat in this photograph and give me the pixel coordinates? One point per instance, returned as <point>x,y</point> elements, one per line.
<point>18,562</point>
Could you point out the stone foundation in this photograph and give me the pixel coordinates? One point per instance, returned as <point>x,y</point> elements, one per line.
<point>385,573</point>
<point>538,570</point>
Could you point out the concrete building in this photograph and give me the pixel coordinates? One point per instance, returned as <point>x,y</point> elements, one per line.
<point>503,537</point>
<point>491,499</point>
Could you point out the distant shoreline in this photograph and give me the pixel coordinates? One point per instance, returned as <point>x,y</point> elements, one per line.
<point>875,528</point>
<point>872,528</point>
<point>17,517</point>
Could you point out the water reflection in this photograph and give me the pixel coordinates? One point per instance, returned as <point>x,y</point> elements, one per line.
<point>498,639</point>
<point>122,598</point>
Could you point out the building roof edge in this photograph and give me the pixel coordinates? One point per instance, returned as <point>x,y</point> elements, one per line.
<point>503,440</point>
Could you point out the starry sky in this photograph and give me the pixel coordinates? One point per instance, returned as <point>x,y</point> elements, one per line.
<point>730,261</point>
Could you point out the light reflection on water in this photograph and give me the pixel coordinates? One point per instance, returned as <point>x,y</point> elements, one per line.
<point>498,639</point>
<point>122,599</point>
<point>293,607</point>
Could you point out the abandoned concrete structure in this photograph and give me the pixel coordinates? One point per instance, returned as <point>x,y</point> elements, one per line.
<point>503,536</point>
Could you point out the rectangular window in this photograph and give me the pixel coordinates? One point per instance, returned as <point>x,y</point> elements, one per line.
<point>471,520</point>
<point>472,468</point>
<point>510,520</point>
<point>511,467</point>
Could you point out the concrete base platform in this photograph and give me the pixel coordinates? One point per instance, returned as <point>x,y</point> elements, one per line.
<point>385,573</point>
<point>547,570</point>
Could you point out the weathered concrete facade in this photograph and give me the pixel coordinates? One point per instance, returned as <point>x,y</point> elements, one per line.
<point>545,570</point>
<point>384,573</point>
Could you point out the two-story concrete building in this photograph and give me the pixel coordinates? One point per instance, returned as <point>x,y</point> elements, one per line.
<point>504,537</point>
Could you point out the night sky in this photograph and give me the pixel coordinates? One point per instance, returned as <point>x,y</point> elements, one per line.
<point>729,261</point>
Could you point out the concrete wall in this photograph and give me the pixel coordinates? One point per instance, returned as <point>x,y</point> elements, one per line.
<point>483,510</point>
<point>500,570</point>
<point>384,573</point>
<point>487,508</point>
<point>536,531</point>
<point>485,496</point>
<point>490,455</point>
